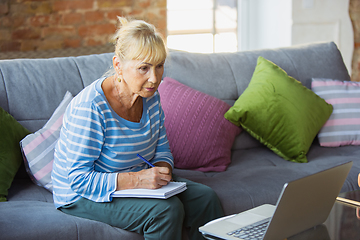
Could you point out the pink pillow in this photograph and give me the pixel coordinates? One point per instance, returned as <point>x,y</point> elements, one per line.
<point>200,137</point>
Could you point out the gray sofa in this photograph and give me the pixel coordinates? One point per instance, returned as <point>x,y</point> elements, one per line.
<point>31,89</point>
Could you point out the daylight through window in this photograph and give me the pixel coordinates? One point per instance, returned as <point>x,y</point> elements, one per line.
<point>203,26</point>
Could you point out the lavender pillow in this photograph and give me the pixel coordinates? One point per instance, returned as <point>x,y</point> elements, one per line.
<point>38,148</point>
<point>200,137</point>
<point>343,126</point>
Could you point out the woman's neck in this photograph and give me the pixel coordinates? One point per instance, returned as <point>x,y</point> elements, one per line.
<point>127,106</point>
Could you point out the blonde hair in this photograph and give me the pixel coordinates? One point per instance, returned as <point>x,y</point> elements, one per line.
<point>139,40</point>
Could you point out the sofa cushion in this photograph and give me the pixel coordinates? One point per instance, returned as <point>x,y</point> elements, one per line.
<point>280,112</point>
<point>38,148</point>
<point>343,126</point>
<point>256,175</point>
<point>200,137</point>
<point>11,132</point>
<point>41,220</point>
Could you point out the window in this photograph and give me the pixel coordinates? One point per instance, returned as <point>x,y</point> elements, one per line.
<point>204,26</point>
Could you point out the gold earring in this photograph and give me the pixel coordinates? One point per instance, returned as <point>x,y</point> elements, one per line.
<point>119,79</point>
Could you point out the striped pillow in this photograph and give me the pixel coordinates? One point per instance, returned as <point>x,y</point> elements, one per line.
<point>38,148</point>
<point>343,126</point>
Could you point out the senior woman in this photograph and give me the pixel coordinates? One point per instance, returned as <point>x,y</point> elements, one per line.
<point>105,126</point>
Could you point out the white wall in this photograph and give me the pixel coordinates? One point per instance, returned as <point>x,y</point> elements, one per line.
<point>324,20</point>
<point>264,24</point>
<point>281,23</point>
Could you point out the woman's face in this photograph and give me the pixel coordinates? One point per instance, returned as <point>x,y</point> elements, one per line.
<point>142,78</point>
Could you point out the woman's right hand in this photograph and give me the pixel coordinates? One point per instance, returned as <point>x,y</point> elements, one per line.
<point>151,178</point>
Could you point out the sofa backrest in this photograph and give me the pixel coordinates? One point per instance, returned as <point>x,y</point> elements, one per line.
<point>31,89</point>
<point>227,75</point>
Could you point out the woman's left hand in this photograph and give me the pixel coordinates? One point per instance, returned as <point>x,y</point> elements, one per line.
<point>150,178</point>
<point>165,164</point>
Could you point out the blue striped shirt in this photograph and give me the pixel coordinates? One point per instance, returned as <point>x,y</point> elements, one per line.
<point>96,143</point>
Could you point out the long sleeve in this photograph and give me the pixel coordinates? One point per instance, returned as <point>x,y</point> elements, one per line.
<point>163,153</point>
<point>96,144</point>
<point>85,140</point>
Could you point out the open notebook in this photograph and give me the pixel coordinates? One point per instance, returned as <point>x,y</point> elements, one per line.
<point>164,192</point>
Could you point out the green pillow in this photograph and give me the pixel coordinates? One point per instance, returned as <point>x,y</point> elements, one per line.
<point>280,112</point>
<point>11,132</point>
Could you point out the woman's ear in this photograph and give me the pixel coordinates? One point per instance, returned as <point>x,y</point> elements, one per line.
<point>117,65</point>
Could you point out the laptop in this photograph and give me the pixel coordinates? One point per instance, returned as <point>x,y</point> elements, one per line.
<point>303,203</point>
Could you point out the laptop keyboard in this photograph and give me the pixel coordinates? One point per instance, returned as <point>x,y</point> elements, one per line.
<point>253,231</point>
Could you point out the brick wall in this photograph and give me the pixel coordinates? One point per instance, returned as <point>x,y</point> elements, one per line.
<point>55,24</point>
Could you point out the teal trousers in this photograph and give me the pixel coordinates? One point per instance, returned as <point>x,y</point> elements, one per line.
<point>156,219</point>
